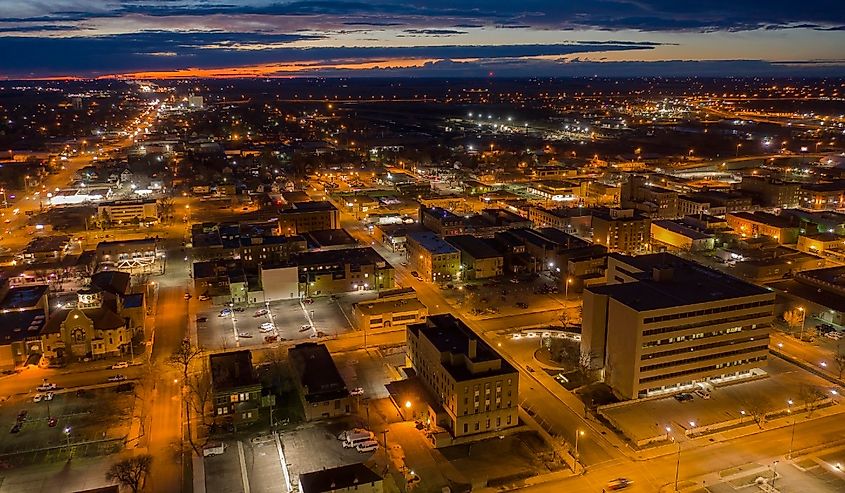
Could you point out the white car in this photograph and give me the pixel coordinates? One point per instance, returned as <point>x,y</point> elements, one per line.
<point>267,325</point>
<point>116,378</point>
<point>37,398</point>
<point>357,391</point>
<point>261,312</point>
<point>119,366</point>
<point>265,330</point>
<point>46,386</point>
<point>368,446</point>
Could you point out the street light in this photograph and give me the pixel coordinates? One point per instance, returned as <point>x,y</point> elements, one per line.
<point>578,433</point>
<point>67,435</point>
<point>774,474</point>
<point>566,287</point>
<point>803,318</point>
<point>794,420</point>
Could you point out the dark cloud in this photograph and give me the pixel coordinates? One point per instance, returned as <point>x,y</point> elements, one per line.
<point>434,32</point>
<point>143,51</point>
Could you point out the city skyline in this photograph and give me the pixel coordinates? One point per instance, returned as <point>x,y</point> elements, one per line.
<point>160,39</point>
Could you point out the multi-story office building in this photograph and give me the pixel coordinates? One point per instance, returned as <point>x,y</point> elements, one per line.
<point>663,324</point>
<point>657,202</point>
<point>434,259</point>
<point>302,217</point>
<point>441,221</point>
<point>621,230</point>
<point>570,219</point>
<point>771,192</point>
<point>822,196</point>
<point>476,388</point>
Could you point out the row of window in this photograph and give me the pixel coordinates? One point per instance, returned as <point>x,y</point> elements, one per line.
<point>477,424</point>
<point>702,347</point>
<point>706,323</point>
<point>700,335</point>
<point>687,361</point>
<point>664,376</point>
<point>707,311</point>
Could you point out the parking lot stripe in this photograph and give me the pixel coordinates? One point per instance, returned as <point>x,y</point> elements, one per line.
<point>243,466</point>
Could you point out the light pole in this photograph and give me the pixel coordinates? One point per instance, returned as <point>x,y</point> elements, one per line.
<point>566,287</point>
<point>774,474</point>
<point>67,435</point>
<point>578,433</point>
<point>737,149</point>
<point>792,437</point>
<point>677,464</point>
<point>803,318</point>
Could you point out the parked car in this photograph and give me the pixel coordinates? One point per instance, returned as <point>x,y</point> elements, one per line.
<point>304,328</point>
<point>702,393</point>
<point>22,415</point>
<point>522,305</point>
<point>48,396</point>
<point>239,309</point>
<point>202,320</point>
<point>225,312</point>
<point>117,378</point>
<point>120,365</point>
<point>618,484</point>
<point>357,431</point>
<point>308,301</point>
<point>357,391</point>
<point>245,335</point>
<point>16,427</point>
<point>204,297</point>
<point>683,397</point>
<point>266,325</point>
<point>270,339</point>
<point>260,313</point>
<point>46,386</point>
<point>52,422</point>
<point>415,274</point>
<point>368,446</point>
<point>187,296</point>
<point>37,398</point>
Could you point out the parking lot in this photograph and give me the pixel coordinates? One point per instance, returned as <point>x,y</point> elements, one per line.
<point>255,461</point>
<point>741,401</point>
<point>326,317</point>
<point>78,418</point>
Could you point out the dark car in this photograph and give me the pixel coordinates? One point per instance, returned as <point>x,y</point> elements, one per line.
<point>239,309</point>
<point>683,397</point>
<point>522,305</point>
<point>16,427</point>
<point>22,415</point>
<point>202,320</point>
<point>52,422</point>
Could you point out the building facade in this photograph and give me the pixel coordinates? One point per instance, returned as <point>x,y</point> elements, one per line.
<point>302,217</point>
<point>621,230</point>
<point>474,385</point>
<point>664,324</point>
<point>434,259</point>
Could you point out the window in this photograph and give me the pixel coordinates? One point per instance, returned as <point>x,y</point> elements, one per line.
<point>466,428</point>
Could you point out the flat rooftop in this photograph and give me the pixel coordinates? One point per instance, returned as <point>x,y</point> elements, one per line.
<point>362,256</point>
<point>450,335</point>
<point>379,307</point>
<point>317,373</point>
<point>687,283</point>
<point>764,218</point>
<point>232,370</point>
<point>320,205</point>
<point>680,229</point>
<point>431,242</point>
<point>337,478</point>
<point>23,297</point>
<point>476,248</point>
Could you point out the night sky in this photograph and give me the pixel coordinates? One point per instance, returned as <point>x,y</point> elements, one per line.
<point>49,38</point>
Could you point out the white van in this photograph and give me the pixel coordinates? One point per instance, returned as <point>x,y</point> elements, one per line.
<point>367,446</point>
<point>213,449</point>
<point>353,439</point>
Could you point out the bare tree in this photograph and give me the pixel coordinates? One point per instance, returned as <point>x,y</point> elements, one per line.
<point>811,396</point>
<point>131,472</point>
<point>183,356</point>
<point>839,359</point>
<point>201,392</point>
<point>757,411</point>
<point>585,364</point>
<point>793,318</point>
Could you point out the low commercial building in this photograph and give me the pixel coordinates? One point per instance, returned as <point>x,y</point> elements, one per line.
<point>394,236</point>
<point>302,217</point>
<point>20,337</point>
<point>680,237</point>
<point>663,323</point>
<point>434,259</point>
<point>479,260</point>
<point>321,388</point>
<point>771,192</point>
<point>128,211</point>
<point>392,310</point>
<point>753,224</point>
<point>356,478</point>
<point>621,230</point>
<point>237,389</point>
<point>555,190</point>
<point>46,249</point>
<point>130,255</point>
<point>821,242</point>
<point>575,220</point>
<point>95,331</point>
<point>474,387</point>
<point>343,271</point>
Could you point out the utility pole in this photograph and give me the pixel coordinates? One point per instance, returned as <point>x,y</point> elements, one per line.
<point>677,465</point>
